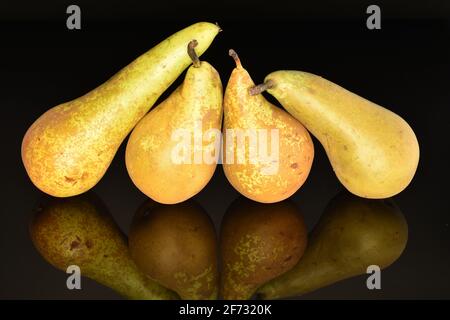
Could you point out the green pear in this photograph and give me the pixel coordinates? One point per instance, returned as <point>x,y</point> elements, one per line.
<point>68,149</point>
<point>373,151</point>
<point>172,153</point>
<point>176,245</point>
<point>352,234</point>
<point>79,231</point>
<point>258,242</point>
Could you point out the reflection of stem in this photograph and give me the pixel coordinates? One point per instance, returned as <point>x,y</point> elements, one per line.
<point>269,84</point>
<point>192,54</point>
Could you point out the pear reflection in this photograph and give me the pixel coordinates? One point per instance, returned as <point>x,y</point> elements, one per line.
<point>352,234</point>
<point>79,231</point>
<point>176,245</point>
<point>258,242</point>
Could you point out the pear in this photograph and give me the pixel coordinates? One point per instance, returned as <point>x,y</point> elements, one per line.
<point>79,231</point>
<point>352,234</point>
<point>258,242</point>
<point>176,245</point>
<point>68,149</point>
<point>267,153</point>
<point>172,153</point>
<point>373,151</point>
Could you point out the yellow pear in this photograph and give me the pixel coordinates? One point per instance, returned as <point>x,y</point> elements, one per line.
<point>373,151</point>
<point>79,231</point>
<point>172,153</point>
<point>258,242</point>
<point>267,153</point>
<point>176,245</point>
<point>352,234</point>
<point>68,149</point>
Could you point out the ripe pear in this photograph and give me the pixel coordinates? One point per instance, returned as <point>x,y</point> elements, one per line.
<point>267,153</point>
<point>352,234</point>
<point>176,245</point>
<point>258,242</point>
<point>68,149</point>
<point>79,231</point>
<point>172,153</point>
<point>373,151</point>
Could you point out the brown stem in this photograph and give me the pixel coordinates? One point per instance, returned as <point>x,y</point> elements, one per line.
<point>235,56</point>
<point>192,54</point>
<point>269,84</point>
<point>220,29</point>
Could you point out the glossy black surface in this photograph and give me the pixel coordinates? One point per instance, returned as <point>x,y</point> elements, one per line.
<point>404,67</point>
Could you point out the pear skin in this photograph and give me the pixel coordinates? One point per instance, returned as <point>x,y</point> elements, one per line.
<point>172,153</point>
<point>78,231</point>
<point>176,245</point>
<point>352,234</point>
<point>258,242</point>
<point>373,151</point>
<point>279,172</point>
<point>68,149</point>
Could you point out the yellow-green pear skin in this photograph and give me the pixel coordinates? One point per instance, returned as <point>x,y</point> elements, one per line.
<point>68,149</point>
<point>171,154</point>
<point>352,234</point>
<point>176,245</point>
<point>260,178</point>
<point>373,151</point>
<point>258,242</point>
<point>78,231</point>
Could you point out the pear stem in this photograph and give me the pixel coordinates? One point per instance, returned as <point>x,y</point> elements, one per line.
<point>192,54</point>
<point>235,56</point>
<point>269,84</point>
<point>217,24</point>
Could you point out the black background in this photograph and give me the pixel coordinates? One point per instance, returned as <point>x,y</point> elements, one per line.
<point>405,66</point>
